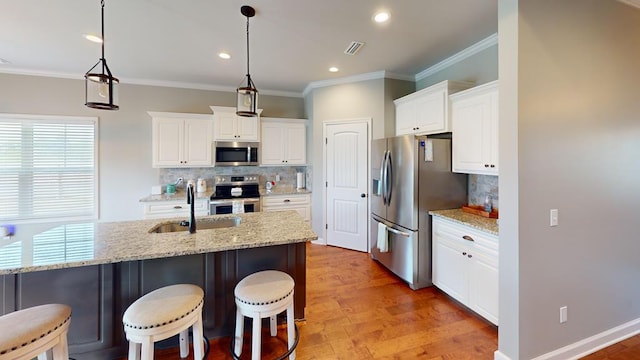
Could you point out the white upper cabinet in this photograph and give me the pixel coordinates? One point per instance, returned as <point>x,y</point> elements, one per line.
<point>474,115</point>
<point>181,140</point>
<point>283,142</point>
<point>230,127</point>
<point>426,111</point>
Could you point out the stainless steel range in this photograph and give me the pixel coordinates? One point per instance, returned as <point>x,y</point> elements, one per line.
<point>232,188</point>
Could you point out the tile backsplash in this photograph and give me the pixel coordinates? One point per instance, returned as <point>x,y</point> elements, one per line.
<point>480,186</point>
<point>266,173</point>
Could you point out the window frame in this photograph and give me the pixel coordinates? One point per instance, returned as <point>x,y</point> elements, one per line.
<point>63,119</point>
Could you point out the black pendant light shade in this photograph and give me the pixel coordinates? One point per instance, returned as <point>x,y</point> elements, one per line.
<point>247,93</point>
<point>101,88</point>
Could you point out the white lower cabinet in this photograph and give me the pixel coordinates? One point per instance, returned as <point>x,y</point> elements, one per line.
<point>298,202</point>
<point>465,266</point>
<point>174,208</point>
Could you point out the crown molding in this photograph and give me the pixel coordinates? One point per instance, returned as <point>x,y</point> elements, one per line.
<point>634,3</point>
<point>134,81</point>
<point>471,50</point>
<point>356,78</point>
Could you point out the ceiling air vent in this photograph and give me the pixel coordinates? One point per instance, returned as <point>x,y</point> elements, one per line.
<point>354,47</point>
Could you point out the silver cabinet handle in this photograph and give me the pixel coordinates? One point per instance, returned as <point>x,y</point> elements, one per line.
<point>399,232</point>
<point>177,207</point>
<point>467,237</point>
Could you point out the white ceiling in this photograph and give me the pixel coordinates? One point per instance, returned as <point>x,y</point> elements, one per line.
<point>292,42</point>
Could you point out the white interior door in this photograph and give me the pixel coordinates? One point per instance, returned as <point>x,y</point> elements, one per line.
<point>347,179</point>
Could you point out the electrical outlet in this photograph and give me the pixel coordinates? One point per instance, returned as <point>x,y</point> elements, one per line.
<point>277,177</point>
<point>553,217</point>
<point>563,314</point>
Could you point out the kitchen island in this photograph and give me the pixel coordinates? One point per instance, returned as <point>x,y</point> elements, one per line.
<point>99,269</point>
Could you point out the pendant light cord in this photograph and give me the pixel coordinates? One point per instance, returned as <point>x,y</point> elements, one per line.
<point>102,22</point>
<point>248,72</point>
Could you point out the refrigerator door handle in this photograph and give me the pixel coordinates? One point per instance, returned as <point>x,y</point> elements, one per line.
<point>389,177</point>
<point>398,232</point>
<point>382,180</point>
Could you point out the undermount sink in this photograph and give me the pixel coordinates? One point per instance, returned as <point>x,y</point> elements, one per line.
<point>200,225</point>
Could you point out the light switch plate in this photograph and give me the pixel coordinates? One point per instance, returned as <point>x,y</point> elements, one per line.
<point>553,217</point>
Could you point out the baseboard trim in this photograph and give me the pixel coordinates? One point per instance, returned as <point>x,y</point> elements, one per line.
<point>587,346</point>
<point>319,241</point>
<point>500,356</point>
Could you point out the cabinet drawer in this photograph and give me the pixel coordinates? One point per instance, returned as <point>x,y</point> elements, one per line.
<point>461,233</point>
<point>277,200</point>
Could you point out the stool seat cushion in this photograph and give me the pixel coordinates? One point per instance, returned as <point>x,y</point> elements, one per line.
<point>24,327</point>
<point>163,306</point>
<point>264,287</point>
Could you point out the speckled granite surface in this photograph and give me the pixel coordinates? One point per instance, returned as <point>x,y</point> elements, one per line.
<point>283,190</point>
<point>182,195</point>
<point>475,221</point>
<point>179,195</point>
<point>130,240</point>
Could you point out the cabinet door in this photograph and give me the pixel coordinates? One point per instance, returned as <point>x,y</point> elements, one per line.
<point>431,114</point>
<point>225,126</point>
<point>483,285</point>
<point>197,144</point>
<point>272,145</point>
<point>168,137</point>
<point>450,268</point>
<point>295,144</point>
<point>247,128</point>
<point>405,118</point>
<point>475,134</point>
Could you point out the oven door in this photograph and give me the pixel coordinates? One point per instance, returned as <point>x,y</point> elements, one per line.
<point>231,153</point>
<point>225,206</point>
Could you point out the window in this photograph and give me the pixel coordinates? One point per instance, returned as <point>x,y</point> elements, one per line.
<point>48,167</point>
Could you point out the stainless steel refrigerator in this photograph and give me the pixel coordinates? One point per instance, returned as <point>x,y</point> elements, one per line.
<point>410,176</point>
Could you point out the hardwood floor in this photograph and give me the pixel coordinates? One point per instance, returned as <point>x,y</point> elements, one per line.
<point>356,309</point>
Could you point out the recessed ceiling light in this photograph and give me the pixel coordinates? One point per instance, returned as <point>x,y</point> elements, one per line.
<point>224,55</point>
<point>93,38</point>
<point>4,61</point>
<point>381,17</point>
<point>334,69</point>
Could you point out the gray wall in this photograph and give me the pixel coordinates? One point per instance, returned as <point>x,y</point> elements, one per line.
<point>125,168</point>
<point>578,141</point>
<point>479,68</point>
<point>362,99</point>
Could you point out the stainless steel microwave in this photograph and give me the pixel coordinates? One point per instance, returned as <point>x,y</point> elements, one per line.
<point>234,153</point>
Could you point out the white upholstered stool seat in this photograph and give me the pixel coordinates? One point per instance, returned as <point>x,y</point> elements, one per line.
<point>261,295</point>
<point>31,332</point>
<point>161,314</point>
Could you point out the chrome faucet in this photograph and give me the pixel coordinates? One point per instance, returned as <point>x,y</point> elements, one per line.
<point>191,201</point>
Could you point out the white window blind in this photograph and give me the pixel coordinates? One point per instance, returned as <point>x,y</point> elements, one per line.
<point>48,167</point>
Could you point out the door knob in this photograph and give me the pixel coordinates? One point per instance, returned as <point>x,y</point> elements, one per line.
<point>363,195</point>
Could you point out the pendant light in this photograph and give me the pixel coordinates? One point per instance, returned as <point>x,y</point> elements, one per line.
<point>248,94</point>
<point>101,88</point>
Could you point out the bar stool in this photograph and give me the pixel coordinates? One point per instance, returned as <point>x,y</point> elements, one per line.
<point>261,295</point>
<point>34,331</point>
<point>161,314</point>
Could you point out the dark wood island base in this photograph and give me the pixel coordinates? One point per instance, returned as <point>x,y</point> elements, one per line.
<point>99,294</point>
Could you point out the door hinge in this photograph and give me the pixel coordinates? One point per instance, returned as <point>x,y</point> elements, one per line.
<point>326,226</point>
<point>326,141</point>
<point>326,184</point>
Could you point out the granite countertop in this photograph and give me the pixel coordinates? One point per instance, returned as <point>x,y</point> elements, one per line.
<point>180,194</point>
<point>92,243</point>
<point>474,221</point>
<point>283,190</point>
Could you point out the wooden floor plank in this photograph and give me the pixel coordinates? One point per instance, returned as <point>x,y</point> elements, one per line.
<point>356,309</point>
